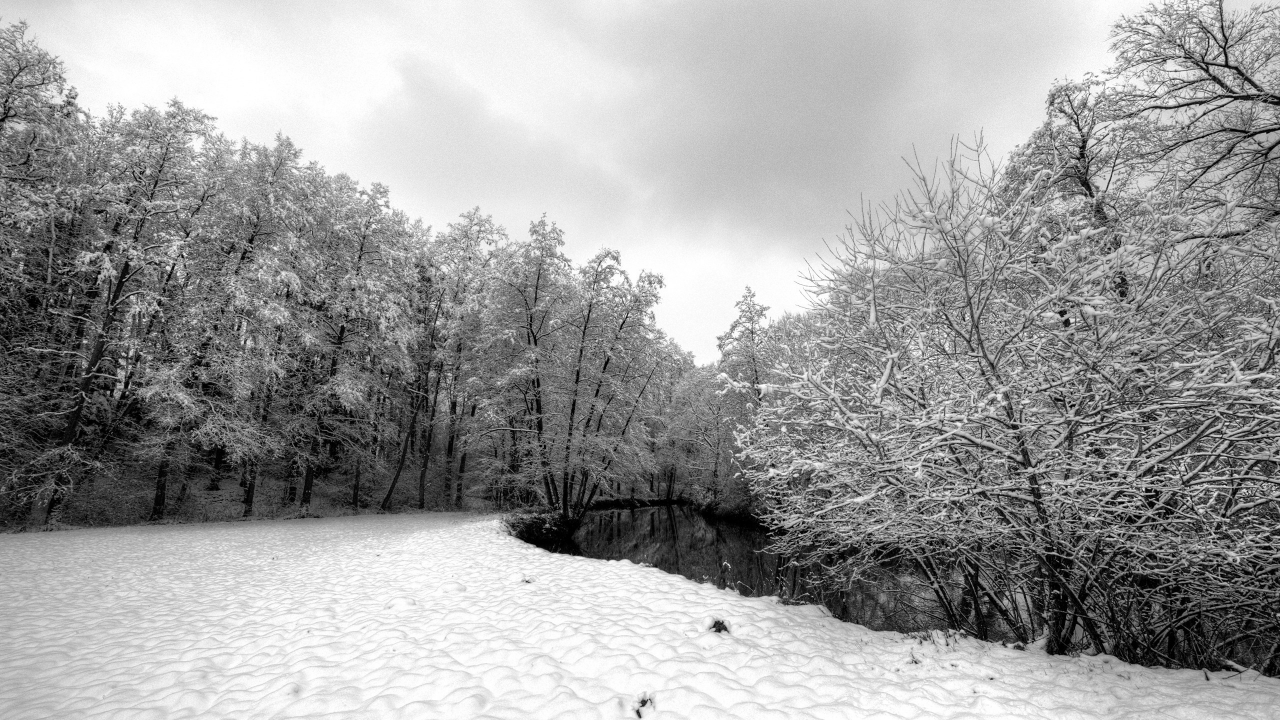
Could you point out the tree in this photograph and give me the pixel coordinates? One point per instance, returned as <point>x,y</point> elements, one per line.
<point>741,346</point>
<point>39,127</point>
<point>1093,147</point>
<point>1079,476</point>
<point>1210,80</point>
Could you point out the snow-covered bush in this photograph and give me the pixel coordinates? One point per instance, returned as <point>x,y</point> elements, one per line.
<point>1069,429</point>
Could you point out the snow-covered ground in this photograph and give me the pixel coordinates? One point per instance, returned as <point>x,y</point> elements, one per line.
<point>444,616</point>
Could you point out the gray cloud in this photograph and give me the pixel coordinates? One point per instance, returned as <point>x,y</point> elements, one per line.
<point>776,116</point>
<point>453,152</point>
<point>727,140</point>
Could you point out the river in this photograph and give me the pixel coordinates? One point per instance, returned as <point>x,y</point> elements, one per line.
<point>679,540</point>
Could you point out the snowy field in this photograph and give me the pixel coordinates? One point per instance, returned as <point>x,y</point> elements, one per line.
<point>443,616</point>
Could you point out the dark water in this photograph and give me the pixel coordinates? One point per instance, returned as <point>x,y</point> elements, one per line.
<point>681,541</point>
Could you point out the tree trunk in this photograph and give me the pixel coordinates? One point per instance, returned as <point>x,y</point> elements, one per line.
<point>355,488</point>
<point>308,481</point>
<point>309,477</point>
<point>101,339</point>
<point>162,482</point>
<point>185,488</point>
<point>404,454</point>
<point>250,487</point>
<point>55,501</point>
<point>450,449</point>
<point>453,432</point>
<point>291,492</point>
<point>462,465</point>
<point>566,474</point>
<point>457,485</point>
<point>426,443</point>
<point>215,477</point>
<point>422,472</point>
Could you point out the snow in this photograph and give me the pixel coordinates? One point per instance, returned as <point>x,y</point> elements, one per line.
<point>444,616</point>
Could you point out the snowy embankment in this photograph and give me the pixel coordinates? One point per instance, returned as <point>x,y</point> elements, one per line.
<point>444,616</point>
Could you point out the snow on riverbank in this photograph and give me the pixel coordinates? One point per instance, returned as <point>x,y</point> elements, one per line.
<point>443,616</point>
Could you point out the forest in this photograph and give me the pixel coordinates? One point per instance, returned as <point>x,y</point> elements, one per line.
<point>1045,382</point>
<point>196,328</point>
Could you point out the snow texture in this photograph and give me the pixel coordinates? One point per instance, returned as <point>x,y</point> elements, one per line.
<point>444,616</point>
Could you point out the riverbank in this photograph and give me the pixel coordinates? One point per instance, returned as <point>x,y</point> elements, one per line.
<point>444,615</point>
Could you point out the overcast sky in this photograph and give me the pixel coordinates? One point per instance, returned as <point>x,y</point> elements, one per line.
<point>717,143</point>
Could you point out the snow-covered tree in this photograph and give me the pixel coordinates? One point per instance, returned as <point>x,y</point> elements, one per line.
<point>1058,456</point>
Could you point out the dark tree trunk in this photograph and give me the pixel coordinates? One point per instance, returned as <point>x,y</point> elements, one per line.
<point>162,484</point>
<point>453,432</point>
<point>215,478</point>
<point>55,501</point>
<point>250,487</point>
<point>185,488</point>
<point>309,477</point>
<point>975,600</point>
<point>308,481</point>
<point>291,492</point>
<point>404,455</point>
<point>462,468</point>
<point>426,443</point>
<point>355,488</point>
<point>513,460</point>
<point>422,473</point>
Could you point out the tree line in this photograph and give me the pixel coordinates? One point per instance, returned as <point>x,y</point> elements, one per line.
<point>198,328</point>
<point>1050,386</point>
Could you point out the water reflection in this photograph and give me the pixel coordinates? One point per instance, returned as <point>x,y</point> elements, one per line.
<point>681,541</point>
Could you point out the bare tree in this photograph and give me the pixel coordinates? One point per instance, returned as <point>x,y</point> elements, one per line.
<point>1057,459</point>
<point>1210,80</point>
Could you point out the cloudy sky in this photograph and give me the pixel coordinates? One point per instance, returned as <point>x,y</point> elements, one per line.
<point>717,143</point>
